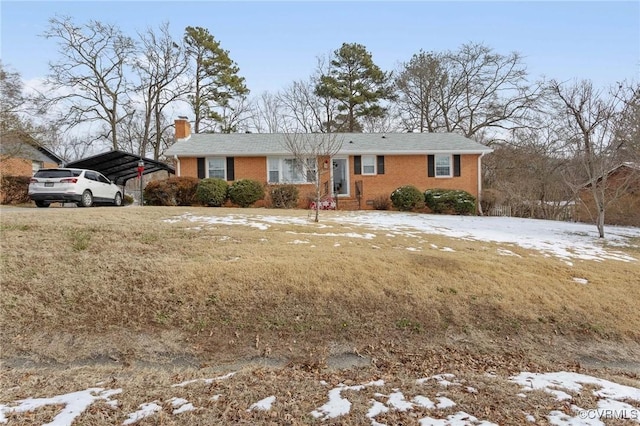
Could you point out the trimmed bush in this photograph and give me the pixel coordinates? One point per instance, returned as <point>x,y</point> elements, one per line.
<point>245,192</point>
<point>284,196</point>
<point>15,189</point>
<point>128,199</point>
<point>175,191</point>
<point>407,198</point>
<point>450,201</point>
<point>212,192</point>
<point>382,202</point>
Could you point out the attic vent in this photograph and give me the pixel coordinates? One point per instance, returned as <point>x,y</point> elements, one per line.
<point>384,136</point>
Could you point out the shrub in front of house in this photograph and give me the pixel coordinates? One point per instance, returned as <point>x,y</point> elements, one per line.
<point>284,196</point>
<point>175,191</point>
<point>15,189</point>
<point>382,202</point>
<point>212,192</point>
<point>407,198</point>
<point>450,201</point>
<point>245,192</point>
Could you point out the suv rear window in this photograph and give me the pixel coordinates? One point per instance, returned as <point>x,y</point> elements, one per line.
<point>56,173</point>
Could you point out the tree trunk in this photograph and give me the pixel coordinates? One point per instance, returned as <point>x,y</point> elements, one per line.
<point>600,222</point>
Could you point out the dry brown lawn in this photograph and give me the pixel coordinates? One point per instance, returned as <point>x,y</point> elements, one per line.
<point>123,295</point>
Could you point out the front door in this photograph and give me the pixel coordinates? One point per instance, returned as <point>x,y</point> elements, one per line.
<point>340,177</point>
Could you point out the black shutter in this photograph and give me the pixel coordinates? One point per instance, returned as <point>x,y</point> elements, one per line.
<point>431,167</point>
<point>357,164</point>
<point>201,171</point>
<point>456,165</point>
<point>380,160</point>
<point>231,173</point>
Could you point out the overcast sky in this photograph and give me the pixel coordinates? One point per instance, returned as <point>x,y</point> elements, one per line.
<point>275,43</point>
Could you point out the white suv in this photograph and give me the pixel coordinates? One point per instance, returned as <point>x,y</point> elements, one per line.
<point>83,187</point>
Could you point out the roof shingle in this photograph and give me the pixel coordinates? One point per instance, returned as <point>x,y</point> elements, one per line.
<point>263,144</point>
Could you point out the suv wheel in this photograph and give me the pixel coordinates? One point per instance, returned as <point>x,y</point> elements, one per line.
<point>42,204</point>
<point>87,199</point>
<point>118,200</point>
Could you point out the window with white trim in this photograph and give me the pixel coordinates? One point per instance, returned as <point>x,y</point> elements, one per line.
<point>290,170</point>
<point>368,164</point>
<point>216,167</point>
<point>443,165</point>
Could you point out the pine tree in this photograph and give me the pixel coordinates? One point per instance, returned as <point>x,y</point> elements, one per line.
<point>358,85</point>
<point>216,78</point>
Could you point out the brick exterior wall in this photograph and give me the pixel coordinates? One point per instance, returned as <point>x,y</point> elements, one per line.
<point>399,170</point>
<point>624,210</point>
<point>18,167</point>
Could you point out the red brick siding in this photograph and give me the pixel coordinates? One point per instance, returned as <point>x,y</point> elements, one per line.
<point>399,170</point>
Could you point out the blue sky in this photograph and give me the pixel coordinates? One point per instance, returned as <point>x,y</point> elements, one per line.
<point>275,43</point>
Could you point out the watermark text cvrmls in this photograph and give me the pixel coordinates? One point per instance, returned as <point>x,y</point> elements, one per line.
<point>621,414</point>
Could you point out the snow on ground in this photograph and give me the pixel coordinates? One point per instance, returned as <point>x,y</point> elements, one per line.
<point>564,240</point>
<point>560,239</point>
<point>612,401</point>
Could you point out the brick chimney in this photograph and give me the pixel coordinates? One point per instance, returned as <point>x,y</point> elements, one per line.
<point>183,128</point>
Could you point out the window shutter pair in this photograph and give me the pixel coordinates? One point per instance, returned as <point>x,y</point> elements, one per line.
<point>202,173</point>
<point>357,164</point>
<point>431,165</point>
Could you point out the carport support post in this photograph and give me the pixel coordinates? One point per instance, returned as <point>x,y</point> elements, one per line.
<point>140,175</point>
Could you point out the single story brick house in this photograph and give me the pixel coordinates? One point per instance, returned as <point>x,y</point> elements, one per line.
<point>367,165</point>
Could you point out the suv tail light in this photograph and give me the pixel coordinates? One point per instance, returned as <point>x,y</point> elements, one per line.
<point>33,180</point>
<point>69,180</point>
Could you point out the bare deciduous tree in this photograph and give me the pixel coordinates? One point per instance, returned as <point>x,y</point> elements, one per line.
<point>88,83</point>
<point>266,113</point>
<point>467,91</point>
<point>11,100</point>
<point>312,154</point>
<point>161,67</point>
<point>590,117</point>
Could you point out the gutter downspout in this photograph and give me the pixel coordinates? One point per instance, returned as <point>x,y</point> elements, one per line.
<point>480,184</point>
<point>175,157</point>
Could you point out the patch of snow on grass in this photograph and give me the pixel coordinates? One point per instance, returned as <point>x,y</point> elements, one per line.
<point>205,381</point>
<point>146,410</point>
<point>505,252</point>
<point>337,405</point>
<point>445,403</point>
<point>581,280</point>
<point>263,405</point>
<point>565,240</point>
<point>397,401</point>
<point>613,397</point>
<point>75,403</point>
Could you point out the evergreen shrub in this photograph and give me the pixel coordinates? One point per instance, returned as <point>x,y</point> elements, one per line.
<point>450,201</point>
<point>407,198</point>
<point>212,192</point>
<point>245,192</point>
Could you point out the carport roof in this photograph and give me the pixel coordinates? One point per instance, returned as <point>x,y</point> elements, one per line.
<point>119,166</point>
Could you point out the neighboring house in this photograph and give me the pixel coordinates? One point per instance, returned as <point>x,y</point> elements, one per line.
<point>20,157</point>
<point>622,196</point>
<point>368,165</point>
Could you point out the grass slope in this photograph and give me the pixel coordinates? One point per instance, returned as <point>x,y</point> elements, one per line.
<point>125,298</point>
<point>126,283</point>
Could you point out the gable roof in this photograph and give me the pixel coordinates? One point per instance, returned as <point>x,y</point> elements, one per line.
<point>22,145</point>
<point>263,144</point>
